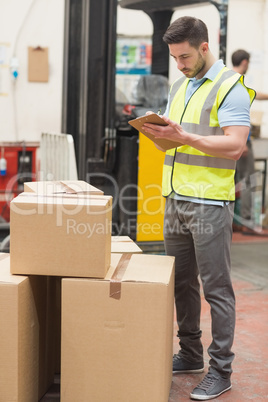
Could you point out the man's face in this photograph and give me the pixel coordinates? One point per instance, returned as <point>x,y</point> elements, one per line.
<point>190,61</point>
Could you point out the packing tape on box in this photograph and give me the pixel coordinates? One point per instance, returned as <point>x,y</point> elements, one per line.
<point>115,283</point>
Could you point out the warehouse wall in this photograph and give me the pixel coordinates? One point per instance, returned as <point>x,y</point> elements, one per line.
<point>250,32</point>
<point>28,108</point>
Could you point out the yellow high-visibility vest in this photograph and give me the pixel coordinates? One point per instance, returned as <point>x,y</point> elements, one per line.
<point>188,171</point>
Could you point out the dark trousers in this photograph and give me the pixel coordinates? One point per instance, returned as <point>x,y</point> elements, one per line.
<point>199,236</point>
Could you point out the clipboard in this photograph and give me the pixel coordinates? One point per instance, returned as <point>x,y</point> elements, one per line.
<point>38,64</point>
<point>154,118</point>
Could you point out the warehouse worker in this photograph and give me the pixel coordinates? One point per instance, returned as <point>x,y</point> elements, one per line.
<point>208,112</point>
<point>245,168</point>
<point>240,60</point>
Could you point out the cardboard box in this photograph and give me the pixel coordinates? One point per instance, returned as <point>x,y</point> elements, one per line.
<point>79,187</point>
<point>26,347</point>
<point>120,244</point>
<point>62,235</point>
<point>124,244</point>
<point>117,333</point>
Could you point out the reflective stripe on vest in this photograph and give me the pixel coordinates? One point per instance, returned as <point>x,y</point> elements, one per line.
<point>188,171</point>
<point>200,160</point>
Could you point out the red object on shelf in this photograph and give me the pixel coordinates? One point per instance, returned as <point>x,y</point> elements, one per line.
<point>21,166</point>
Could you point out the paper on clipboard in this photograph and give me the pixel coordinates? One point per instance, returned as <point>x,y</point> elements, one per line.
<point>154,118</point>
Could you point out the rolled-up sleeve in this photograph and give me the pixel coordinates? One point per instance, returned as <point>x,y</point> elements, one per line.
<point>235,109</point>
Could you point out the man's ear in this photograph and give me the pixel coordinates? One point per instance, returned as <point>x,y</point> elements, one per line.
<point>204,47</point>
<point>244,64</point>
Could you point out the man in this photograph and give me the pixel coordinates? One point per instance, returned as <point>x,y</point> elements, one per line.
<point>240,60</point>
<point>208,112</point>
<point>245,168</point>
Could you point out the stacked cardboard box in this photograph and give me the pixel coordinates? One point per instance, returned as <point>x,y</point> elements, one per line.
<point>26,333</point>
<point>120,244</point>
<point>116,310</point>
<point>60,229</point>
<point>61,235</point>
<point>29,305</point>
<point>117,333</point>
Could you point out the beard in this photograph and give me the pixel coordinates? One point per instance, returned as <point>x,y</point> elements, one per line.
<point>200,64</point>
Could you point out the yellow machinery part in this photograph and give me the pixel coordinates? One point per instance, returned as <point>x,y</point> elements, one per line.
<point>151,204</point>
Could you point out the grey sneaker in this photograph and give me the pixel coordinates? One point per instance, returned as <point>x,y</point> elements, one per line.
<point>184,367</point>
<point>211,387</point>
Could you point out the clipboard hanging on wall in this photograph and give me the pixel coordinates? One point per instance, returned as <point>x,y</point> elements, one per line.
<point>38,64</point>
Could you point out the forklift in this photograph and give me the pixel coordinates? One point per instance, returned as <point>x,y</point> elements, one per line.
<point>110,154</point>
<point>118,160</point>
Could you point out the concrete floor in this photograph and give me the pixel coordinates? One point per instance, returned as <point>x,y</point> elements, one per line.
<point>250,367</point>
<point>250,376</point>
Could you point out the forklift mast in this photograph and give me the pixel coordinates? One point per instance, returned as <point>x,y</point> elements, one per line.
<point>107,158</point>
<point>88,108</point>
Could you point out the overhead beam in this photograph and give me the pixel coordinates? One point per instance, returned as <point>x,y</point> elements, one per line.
<point>155,8</point>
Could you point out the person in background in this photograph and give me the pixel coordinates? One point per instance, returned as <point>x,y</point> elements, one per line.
<point>245,168</point>
<point>208,114</point>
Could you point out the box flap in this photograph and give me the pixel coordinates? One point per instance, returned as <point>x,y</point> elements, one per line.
<point>124,244</point>
<point>139,268</point>
<point>121,238</point>
<point>95,202</point>
<point>144,268</point>
<point>125,247</point>
<point>78,186</point>
<point>64,186</point>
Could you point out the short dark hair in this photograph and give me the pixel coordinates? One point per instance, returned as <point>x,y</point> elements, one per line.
<point>238,56</point>
<point>186,29</point>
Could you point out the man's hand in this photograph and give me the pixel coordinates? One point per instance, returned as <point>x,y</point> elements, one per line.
<point>173,131</point>
<point>157,146</point>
